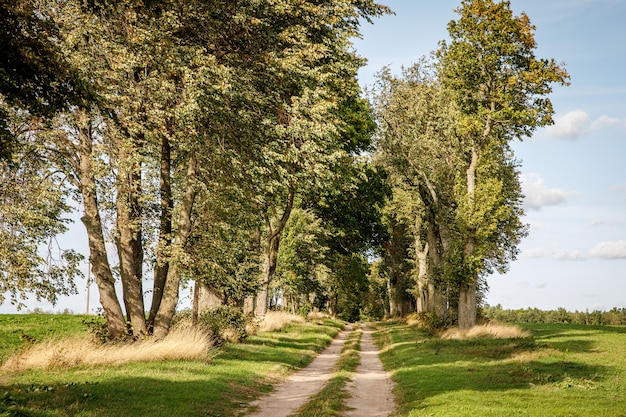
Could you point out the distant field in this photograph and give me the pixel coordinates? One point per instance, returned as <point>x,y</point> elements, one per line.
<point>561,370</point>
<point>17,330</point>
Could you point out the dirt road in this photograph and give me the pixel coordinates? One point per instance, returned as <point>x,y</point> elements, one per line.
<point>371,386</point>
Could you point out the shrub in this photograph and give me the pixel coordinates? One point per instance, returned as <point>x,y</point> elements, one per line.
<point>431,322</point>
<point>226,323</point>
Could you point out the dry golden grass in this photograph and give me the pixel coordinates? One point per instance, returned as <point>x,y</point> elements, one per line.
<point>183,342</point>
<point>276,320</point>
<point>486,331</point>
<point>313,315</point>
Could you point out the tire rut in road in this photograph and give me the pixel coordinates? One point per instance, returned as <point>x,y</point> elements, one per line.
<point>296,390</point>
<point>371,387</point>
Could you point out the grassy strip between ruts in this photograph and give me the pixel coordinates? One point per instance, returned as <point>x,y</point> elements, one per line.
<point>559,370</point>
<point>330,400</point>
<point>220,385</point>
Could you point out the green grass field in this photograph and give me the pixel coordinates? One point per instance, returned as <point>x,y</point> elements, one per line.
<point>562,370</point>
<point>219,386</point>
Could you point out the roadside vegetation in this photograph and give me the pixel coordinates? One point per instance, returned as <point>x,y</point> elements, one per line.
<point>554,370</point>
<point>220,383</point>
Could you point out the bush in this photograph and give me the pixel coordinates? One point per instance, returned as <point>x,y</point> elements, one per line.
<point>430,322</point>
<point>226,323</point>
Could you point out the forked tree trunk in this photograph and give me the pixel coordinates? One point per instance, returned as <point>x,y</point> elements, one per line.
<point>129,242</point>
<point>163,319</point>
<point>93,224</point>
<point>270,254</point>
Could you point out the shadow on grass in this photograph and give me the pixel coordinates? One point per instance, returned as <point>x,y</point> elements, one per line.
<point>217,394</point>
<point>425,366</point>
<point>221,387</point>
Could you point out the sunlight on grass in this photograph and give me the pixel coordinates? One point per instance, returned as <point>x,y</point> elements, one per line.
<point>182,342</point>
<point>555,370</point>
<point>276,320</point>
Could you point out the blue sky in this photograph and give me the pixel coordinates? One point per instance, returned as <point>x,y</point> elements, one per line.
<point>574,173</point>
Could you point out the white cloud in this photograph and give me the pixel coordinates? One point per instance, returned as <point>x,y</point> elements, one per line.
<point>609,250</point>
<point>575,123</point>
<point>604,121</point>
<point>536,253</point>
<point>567,255</point>
<point>603,222</point>
<point>569,126</point>
<point>554,254</point>
<point>538,195</point>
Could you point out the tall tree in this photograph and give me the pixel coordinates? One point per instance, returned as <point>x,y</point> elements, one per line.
<point>418,148</point>
<point>500,87</point>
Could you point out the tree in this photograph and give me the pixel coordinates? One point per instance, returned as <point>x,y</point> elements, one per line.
<point>301,261</point>
<point>500,87</point>
<point>417,146</point>
<point>33,203</point>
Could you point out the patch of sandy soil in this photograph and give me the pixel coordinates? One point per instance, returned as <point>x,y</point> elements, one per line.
<point>296,390</point>
<point>371,387</point>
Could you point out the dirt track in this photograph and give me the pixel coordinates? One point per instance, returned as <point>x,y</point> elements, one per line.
<point>371,386</point>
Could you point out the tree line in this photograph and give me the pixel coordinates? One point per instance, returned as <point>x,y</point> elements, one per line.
<point>229,146</point>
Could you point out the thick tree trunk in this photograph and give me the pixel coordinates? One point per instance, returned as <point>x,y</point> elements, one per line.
<point>165,231</point>
<point>269,268</point>
<point>97,249</point>
<point>204,298</point>
<point>129,242</point>
<point>467,306</point>
<point>435,301</point>
<point>163,319</point>
<point>249,304</point>
<point>467,289</point>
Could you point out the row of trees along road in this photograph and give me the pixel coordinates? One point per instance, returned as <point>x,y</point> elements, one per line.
<point>446,125</point>
<point>195,137</point>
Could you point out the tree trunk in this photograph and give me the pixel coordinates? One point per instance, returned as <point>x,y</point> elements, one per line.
<point>249,304</point>
<point>436,301</point>
<point>270,254</point>
<point>421,252</point>
<point>165,230</point>
<point>391,294</point>
<point>129,242</point>
<point>163,319</point>
<point>269,268</point>
<point>467,289</point>
<point>204,298</point>
<point>467,306</point>
<point>93,224</point>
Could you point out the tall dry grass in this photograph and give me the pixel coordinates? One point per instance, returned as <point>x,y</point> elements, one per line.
<point>486,331</point>
<point>183,342</point>
<point>276,320</point>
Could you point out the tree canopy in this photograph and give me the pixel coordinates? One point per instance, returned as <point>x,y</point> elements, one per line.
<point>228,144</point>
